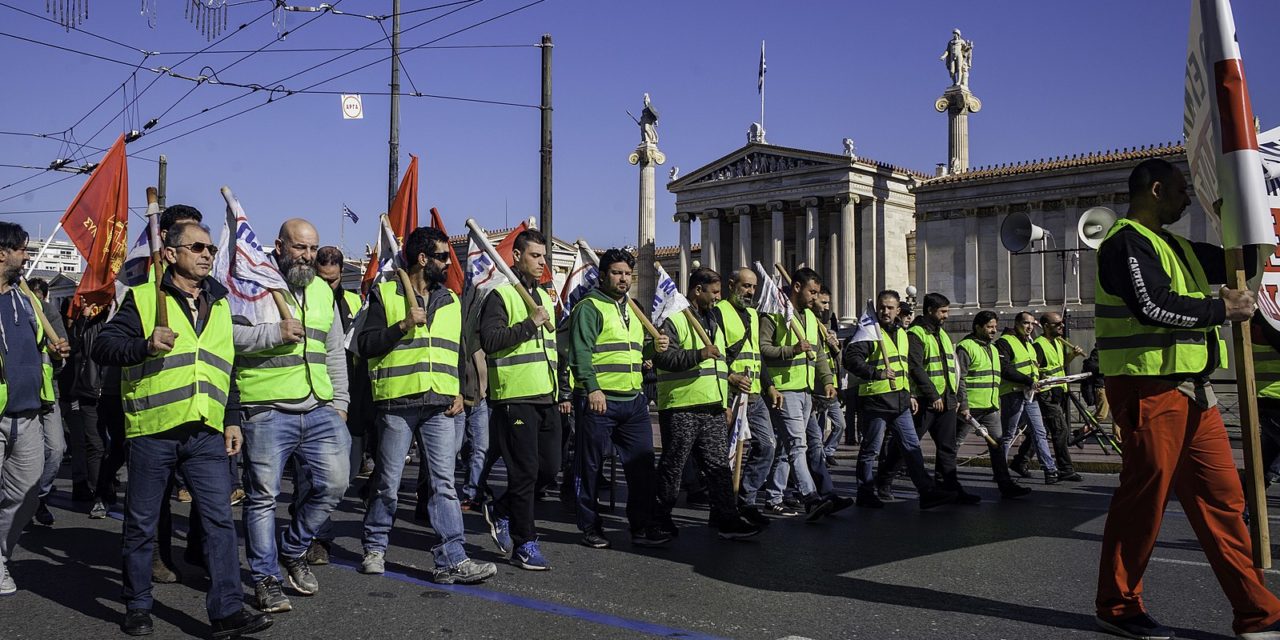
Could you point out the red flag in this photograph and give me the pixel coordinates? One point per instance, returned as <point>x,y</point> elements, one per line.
<point>403,216</point>
<point>96,222</point>
<point>453,278</point>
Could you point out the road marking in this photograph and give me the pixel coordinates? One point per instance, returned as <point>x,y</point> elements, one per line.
<point>1197,563</point>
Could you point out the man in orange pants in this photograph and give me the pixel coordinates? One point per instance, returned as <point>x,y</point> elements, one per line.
<point>1158,342</point>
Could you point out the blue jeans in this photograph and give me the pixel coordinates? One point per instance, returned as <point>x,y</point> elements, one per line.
<point>55,445</point>
<point>791,424</point>
<point>320,442</point>
<point>1014,407</point>
<point>626,427</point>
<point>437,434</point>
<point>904,428</point>
<point>835,414</point>
<point>477,420</point>
<point>759,459</point>
<point>200,455</point>
<point>815,445</point>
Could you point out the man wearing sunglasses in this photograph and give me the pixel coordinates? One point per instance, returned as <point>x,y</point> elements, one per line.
<point>291,379</point>
<point>1019,381</point>
<point>414,349</point>
<point>175,384</point>
<point>1052,357</point>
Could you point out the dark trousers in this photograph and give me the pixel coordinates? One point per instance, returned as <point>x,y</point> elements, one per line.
<point>1269,425</point>
<point>87,446</point>
<point>528,436</point>
<point>111,424</point>
<point>704,433</point>
<point>625,426</point>
<point>1055,422</point>
<point>200,455</point>
<point>941,427</point>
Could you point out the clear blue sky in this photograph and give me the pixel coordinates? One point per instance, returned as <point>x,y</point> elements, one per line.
<point>1055,78</point>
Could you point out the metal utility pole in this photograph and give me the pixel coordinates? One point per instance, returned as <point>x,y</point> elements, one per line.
<point>162,183</point>
<point>393,169</point>
<point>544,209</point>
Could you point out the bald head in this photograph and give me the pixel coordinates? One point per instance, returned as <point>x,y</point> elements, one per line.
<point>296,249</point>
<point>742,288</point>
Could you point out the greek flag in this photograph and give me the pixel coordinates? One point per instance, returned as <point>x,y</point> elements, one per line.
<point>583,277</point>
<point>351,215</point>
<point>137,263</point>
<point>667,299</point>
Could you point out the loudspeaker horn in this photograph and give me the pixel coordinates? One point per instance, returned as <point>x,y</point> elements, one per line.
<point>1017,232</point>
<point>1094,224</point>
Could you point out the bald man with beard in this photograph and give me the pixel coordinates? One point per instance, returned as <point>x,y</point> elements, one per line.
<point>291,396</point>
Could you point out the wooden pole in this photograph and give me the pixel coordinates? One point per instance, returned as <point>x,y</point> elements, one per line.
<point>1255,486</point>
<point>795,324</point>
<point>50,337</point>
<point>157,256</point>
<point>483,239</point>
<point>631,303</point>
<point>410,294</point>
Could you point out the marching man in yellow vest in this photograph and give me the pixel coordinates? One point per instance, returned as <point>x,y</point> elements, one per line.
<point>693,394</point>
<point>978,396</point>
<point>291,381</point>
<point>415,359</point>
<point>1020,374</point>
<point>1052,358</point>
<point>606,357</point>
<point>523,373</point>
<point>886,403</point>
<point>175,383</point>
<point>1158,343</point>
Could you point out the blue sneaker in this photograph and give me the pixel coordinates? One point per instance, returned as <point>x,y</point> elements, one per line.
<point>529,556</point>
<point>500,531</point>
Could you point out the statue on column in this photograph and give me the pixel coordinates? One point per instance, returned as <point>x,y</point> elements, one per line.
<point>958,57</point>
<point>648,123</point>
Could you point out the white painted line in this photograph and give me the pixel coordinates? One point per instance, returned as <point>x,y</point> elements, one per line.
<point>1200,564</point>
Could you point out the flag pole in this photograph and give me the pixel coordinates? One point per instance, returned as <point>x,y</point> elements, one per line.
<point>1247,389</point>
<point>483,240</point>
<point>44,247</point>
<point>763,71</point>
<point>157,266</point>
<point>631,303</point>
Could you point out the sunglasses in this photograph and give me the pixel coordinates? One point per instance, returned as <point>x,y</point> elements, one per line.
<point>201,247</point>
<point>443,256</point>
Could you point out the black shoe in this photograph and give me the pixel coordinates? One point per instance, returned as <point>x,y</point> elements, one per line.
<point>1014,490</point>
<point>137,622</point>
<point>817,507</point>
<point>666,525</point>
<point>1019,467</point>
<point>869,500</point>
<point>43,515</point>
<point>736,529</point>
<point>1051,477</point>
<point>839,503</point>
<point>650,537</point>
<point>1070,476</point>
<point>780,510</point>
<point>793,503</point>
<point>964,497</point>
<point>239,624</point>
<point>595,539</point>
<point>1140,626</point>
<point>936,498</point>
<point>753,515</point>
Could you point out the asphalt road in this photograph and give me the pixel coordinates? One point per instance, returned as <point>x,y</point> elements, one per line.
<point>1002,569</point>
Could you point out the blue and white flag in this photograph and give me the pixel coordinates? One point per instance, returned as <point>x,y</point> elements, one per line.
<point>351,215</point>
<point>667,299</point>
<point>868,325</point>
<point>771,298</point>
<point>244,268</point>
<point>137,263</point>
<point>583,277</point>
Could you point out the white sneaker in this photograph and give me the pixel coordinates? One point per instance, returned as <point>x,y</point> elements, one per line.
<point>374,563</point>
<point>7,586</point>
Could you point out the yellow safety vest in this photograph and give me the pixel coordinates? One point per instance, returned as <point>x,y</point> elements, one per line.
<point>798,373</point>
<point>897,346</point>
<point>939,363</point>
<point>748,361</point>
<point>617,356</point>
<point>425,359</point>
<point>1023,360</point>
<point>292,371</point>
<point>708,384</point>
<point>982,378</point>
<point>529,369</point>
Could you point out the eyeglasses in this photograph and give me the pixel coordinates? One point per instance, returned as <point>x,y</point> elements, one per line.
<point>200,247</point>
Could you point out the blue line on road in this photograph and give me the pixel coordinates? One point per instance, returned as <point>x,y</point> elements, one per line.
<point>543,606</point>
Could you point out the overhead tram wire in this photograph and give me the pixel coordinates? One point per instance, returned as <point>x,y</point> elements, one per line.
<point>333,49</point>
<point>272,98</point>
<point>75,28</point>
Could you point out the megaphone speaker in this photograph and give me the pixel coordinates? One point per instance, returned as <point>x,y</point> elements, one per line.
<point>1094,224</point>
<point>1017,232</point>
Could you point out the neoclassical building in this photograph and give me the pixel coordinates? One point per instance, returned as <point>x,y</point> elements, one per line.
<point>850,218</point>
<point>958,220</point>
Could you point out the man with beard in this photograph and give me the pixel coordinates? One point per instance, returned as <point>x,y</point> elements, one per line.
<point>1053,358</point>
<point>1019,381</point>
<point>175,382</point>
<point>978,395</point>
<point>693,394</point>
<point>415,357</point>
<point>523,375</point>
<point>291,377</point>
<point>741,325</point>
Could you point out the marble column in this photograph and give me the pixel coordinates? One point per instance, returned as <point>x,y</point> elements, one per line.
<point>812,256</point>
<point>646,156</point>
<point>1036,287</point>
<point>1004,285</point>
<point>711,241</point>
<point>744,235</point>
<point>847,296</point>
<point>922,253</point>
<point>777,209</point>
<point>869,230</point>
<point>799,243</point>
<point>686,248</point>
<point>1071,242</point>
<point>972,276</point>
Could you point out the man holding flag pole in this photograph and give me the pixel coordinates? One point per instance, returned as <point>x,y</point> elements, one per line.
<point>1158,343</point>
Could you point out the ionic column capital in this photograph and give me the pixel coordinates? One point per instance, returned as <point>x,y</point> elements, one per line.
<point>811,201</point>
<point>776,205</point>
<point>682,217</point>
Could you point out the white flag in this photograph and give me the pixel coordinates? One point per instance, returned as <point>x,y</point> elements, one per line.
<point>868,325</point>
<point>245,269</point>
<point>583,277</point>
<point>771,298</point>
<point>481,276</point>
<point>741,429</point>
<point>667,299</point>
